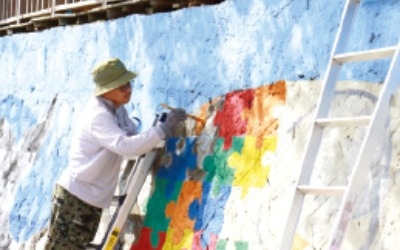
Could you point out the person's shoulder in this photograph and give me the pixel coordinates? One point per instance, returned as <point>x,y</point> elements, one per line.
<point>93,108</point>
<point>95,104</point>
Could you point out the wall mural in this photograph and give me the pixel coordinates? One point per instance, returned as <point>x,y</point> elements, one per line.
<point>225,184</point>
<point>187,206</point>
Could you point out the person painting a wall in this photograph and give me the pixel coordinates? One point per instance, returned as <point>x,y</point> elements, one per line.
<point>104,136</point>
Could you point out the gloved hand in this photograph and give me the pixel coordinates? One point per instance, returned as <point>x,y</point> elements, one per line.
<point>173,118</point>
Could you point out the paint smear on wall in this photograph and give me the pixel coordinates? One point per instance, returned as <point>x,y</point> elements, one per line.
<point>249,170</point>
<point>230,119</point>
<point>187,213</point>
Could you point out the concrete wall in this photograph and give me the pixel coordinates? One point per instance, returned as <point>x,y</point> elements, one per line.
<point>187,58</point>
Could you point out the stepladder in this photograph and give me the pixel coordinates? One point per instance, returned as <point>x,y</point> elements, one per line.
<point>134,184</point>
<point>373,124</point>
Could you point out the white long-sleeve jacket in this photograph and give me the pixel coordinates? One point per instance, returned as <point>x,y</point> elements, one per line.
<point>104,135</point>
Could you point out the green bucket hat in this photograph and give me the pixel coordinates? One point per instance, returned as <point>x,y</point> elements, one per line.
<point>110,75</point>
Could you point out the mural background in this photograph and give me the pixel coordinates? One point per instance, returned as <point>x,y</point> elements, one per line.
<point>187,58</point>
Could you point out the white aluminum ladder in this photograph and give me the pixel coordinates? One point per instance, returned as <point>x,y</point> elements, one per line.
<point>375,123</point>
<point>134,183</point>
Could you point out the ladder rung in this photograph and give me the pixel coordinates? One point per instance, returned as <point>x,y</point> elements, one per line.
<point>344,121</point>
<point>322,190</point>
<point>365,55</point>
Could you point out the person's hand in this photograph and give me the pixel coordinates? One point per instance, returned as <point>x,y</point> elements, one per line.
<point>173,119</point>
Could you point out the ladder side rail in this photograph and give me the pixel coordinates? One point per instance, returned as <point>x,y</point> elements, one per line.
<point>328,90</point>
<point>334,67</point>
<point>132,193</point>
<point>315,137</point>
<point>363,162</point>
<point>344,29</point>
<point>132,173</point>
<point>291,224</point>
<point>121,200</point>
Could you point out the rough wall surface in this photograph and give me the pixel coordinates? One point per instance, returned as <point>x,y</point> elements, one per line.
<point>187,58</point>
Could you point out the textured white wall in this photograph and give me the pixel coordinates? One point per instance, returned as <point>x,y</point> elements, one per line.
<point>184,58</point>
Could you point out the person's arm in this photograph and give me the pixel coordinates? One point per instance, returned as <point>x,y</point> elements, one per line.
<point>108,134</point>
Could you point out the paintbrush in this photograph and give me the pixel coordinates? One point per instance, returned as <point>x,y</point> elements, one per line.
<point>196,118</point>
